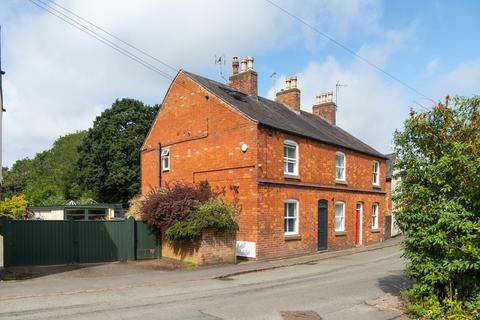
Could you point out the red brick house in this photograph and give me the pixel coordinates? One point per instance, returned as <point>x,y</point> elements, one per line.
<point>303,184</point>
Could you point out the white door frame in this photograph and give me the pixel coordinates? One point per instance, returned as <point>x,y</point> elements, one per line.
<point>360,206</point>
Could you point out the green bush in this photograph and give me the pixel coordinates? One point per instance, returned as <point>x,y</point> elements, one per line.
<point>211,214</point>
<point>431,308</point>
<point>13,207</point>
<point>438,208</point>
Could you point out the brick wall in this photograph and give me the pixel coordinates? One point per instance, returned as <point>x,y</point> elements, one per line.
<point>316,181</point>
<point>205,137</point>
<point>213,247</point>
<point>272,241</point>
<point>316,162</point>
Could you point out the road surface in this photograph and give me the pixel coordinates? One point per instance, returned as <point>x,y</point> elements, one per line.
<point>337,288</point>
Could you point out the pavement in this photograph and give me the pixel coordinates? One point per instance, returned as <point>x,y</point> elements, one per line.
<point>360,283</point>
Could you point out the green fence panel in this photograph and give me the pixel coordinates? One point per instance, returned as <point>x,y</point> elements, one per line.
<point>38,243</point>
<point>42,242</point>
<point>148,242</point>
<point>102,241</point>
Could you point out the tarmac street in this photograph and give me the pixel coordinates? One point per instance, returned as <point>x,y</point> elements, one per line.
<point>345,286</point>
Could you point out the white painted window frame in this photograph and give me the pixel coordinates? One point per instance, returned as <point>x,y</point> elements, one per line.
<point>165,155</point>
<point>291,143</point>
<point>296,217</point>
<point>376,174</point>
<point>344,167</point>
<point>342,228</point>
<point>375,210</point>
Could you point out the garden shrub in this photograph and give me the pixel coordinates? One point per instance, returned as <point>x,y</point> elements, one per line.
<point>135,208</point>
<point>438,208</point>
<point>13,207</point>
<point>174,203</point>
<point>211,214</point>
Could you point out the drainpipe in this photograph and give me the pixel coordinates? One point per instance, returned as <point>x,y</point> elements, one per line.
<point>159,166</point>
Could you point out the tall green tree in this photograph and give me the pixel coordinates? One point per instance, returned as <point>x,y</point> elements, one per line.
<point>109,163</point>
<point>53,177</point>
<point>438,206</point>
<point>49,178</point>
<point>15,178</point>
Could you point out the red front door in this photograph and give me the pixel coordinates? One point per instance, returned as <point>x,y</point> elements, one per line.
<point>357,227</point>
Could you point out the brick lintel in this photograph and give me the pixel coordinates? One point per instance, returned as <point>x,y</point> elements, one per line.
<point>316,186</point>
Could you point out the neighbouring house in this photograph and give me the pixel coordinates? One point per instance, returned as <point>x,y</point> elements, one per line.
<point>71,211</point>
<point>391,228</point>
<point>303,184</point>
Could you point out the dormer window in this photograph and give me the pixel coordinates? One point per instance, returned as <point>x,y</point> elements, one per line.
<point>290,158</point>
<point>340,166</point>
<point>376,172</point>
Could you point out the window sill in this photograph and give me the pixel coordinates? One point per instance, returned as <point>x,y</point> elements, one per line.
<point>291,176</point>
<point>376,230</point>
<point>340,233</point>
<point>290,237</point>
<point>376,186</point>
<point>165,170</point>
<point>341,182</point>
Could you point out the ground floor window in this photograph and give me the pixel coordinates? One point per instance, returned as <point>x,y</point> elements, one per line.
<point>375,216</point>
<point>291,216</point>
<point>339,216</point>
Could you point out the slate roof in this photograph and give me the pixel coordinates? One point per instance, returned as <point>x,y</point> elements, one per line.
<point>390,160</point>
<point>279,116</point>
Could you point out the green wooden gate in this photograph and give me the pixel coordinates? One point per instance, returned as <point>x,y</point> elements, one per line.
<point>40,242</point>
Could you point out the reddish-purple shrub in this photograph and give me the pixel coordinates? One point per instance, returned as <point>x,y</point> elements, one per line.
<point>174,203</point>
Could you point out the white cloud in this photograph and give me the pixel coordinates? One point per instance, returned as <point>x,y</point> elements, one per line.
<point>432,66</point>
<point>461,80</point>
<point>393,41</point>
<point>370,106</point>
<point>59,79</point>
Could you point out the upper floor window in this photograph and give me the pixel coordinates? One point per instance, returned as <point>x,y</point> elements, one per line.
<point>340,166</point>
<point>290,157</point>
<point>290,216</point>
<point>165,159</point>
<point>376,172</point>
<point>339,216</point>
<point>375,216</point>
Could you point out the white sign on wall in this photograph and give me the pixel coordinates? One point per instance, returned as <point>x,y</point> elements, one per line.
<point>246,249</point>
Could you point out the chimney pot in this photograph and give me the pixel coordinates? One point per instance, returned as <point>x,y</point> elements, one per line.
<point>235,65</point>
<point>250,63</point>
<point>293,82</point>
<point>287,83</point>
<point>243,65</point>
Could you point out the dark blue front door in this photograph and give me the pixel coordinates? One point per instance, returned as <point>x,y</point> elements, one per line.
<point>322,224</point>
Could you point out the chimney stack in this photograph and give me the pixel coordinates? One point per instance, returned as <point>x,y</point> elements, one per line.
<point>325,107</point>
<point>246,80</point>
<point>290,96</point>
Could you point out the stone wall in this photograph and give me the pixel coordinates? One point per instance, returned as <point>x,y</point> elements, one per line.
<point>213,247</point>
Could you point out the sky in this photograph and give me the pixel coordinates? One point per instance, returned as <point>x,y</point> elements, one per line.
<point>58,79</point>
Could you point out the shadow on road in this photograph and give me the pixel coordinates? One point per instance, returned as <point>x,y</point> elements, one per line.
<point>395,283</point>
